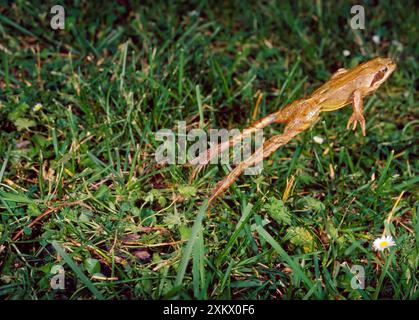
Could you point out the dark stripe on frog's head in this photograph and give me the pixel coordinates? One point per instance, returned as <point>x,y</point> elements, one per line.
<point>378,76</point>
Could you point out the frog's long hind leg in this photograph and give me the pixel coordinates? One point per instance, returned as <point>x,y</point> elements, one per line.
<point>280,116</point>
<point>204,158</point>
<point>302,120</point>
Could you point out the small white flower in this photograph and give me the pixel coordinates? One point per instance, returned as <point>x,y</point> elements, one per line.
<point>318,139</point>
<point>194,13</point>
<point>382,243</point>
<point>346,53</point>
<point>376,39</point>
<point>37,107</point>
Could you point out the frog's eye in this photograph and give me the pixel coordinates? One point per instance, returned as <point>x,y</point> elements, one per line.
<point>378,76</point>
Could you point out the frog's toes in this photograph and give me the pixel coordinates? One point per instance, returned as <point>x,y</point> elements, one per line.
<point>354,119</point>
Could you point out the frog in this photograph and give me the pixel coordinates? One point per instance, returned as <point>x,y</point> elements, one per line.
<point>345,87</point>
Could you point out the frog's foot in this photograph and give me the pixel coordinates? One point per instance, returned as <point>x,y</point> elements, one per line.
<point>355,118</point>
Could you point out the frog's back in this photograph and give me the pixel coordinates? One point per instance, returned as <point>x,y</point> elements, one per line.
<point>337,92</point>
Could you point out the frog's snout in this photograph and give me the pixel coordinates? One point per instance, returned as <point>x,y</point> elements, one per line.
<point>391,65</point>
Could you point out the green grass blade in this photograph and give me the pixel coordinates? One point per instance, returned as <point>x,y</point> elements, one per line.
<point>284,256</point>
<point>385,170</point>
<point>186,254</point>
<point>77,270</point>
<point>240,225</point>
<point>15,197</point>
<point>200,109</point>
<point>198,266</point>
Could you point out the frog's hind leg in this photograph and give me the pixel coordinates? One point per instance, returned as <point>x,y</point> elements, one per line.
<point>203,159</point>
<point>267,149</point>
<point>301,120</point>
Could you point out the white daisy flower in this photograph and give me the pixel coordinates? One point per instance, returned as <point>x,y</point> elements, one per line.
<point>346,53</point>
<point>382,243</point>
<point>376,39</point>
<point>37,107</point>
<point>318,139</point>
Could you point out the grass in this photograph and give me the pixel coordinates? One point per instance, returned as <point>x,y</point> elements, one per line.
<point>125,227</point>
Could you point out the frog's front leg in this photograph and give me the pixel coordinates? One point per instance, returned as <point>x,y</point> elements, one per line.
<point>357,115</point>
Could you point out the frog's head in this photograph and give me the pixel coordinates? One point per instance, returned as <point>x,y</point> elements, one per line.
<point>381,68</point>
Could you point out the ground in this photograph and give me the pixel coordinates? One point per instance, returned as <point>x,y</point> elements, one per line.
<point>79,109</point>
